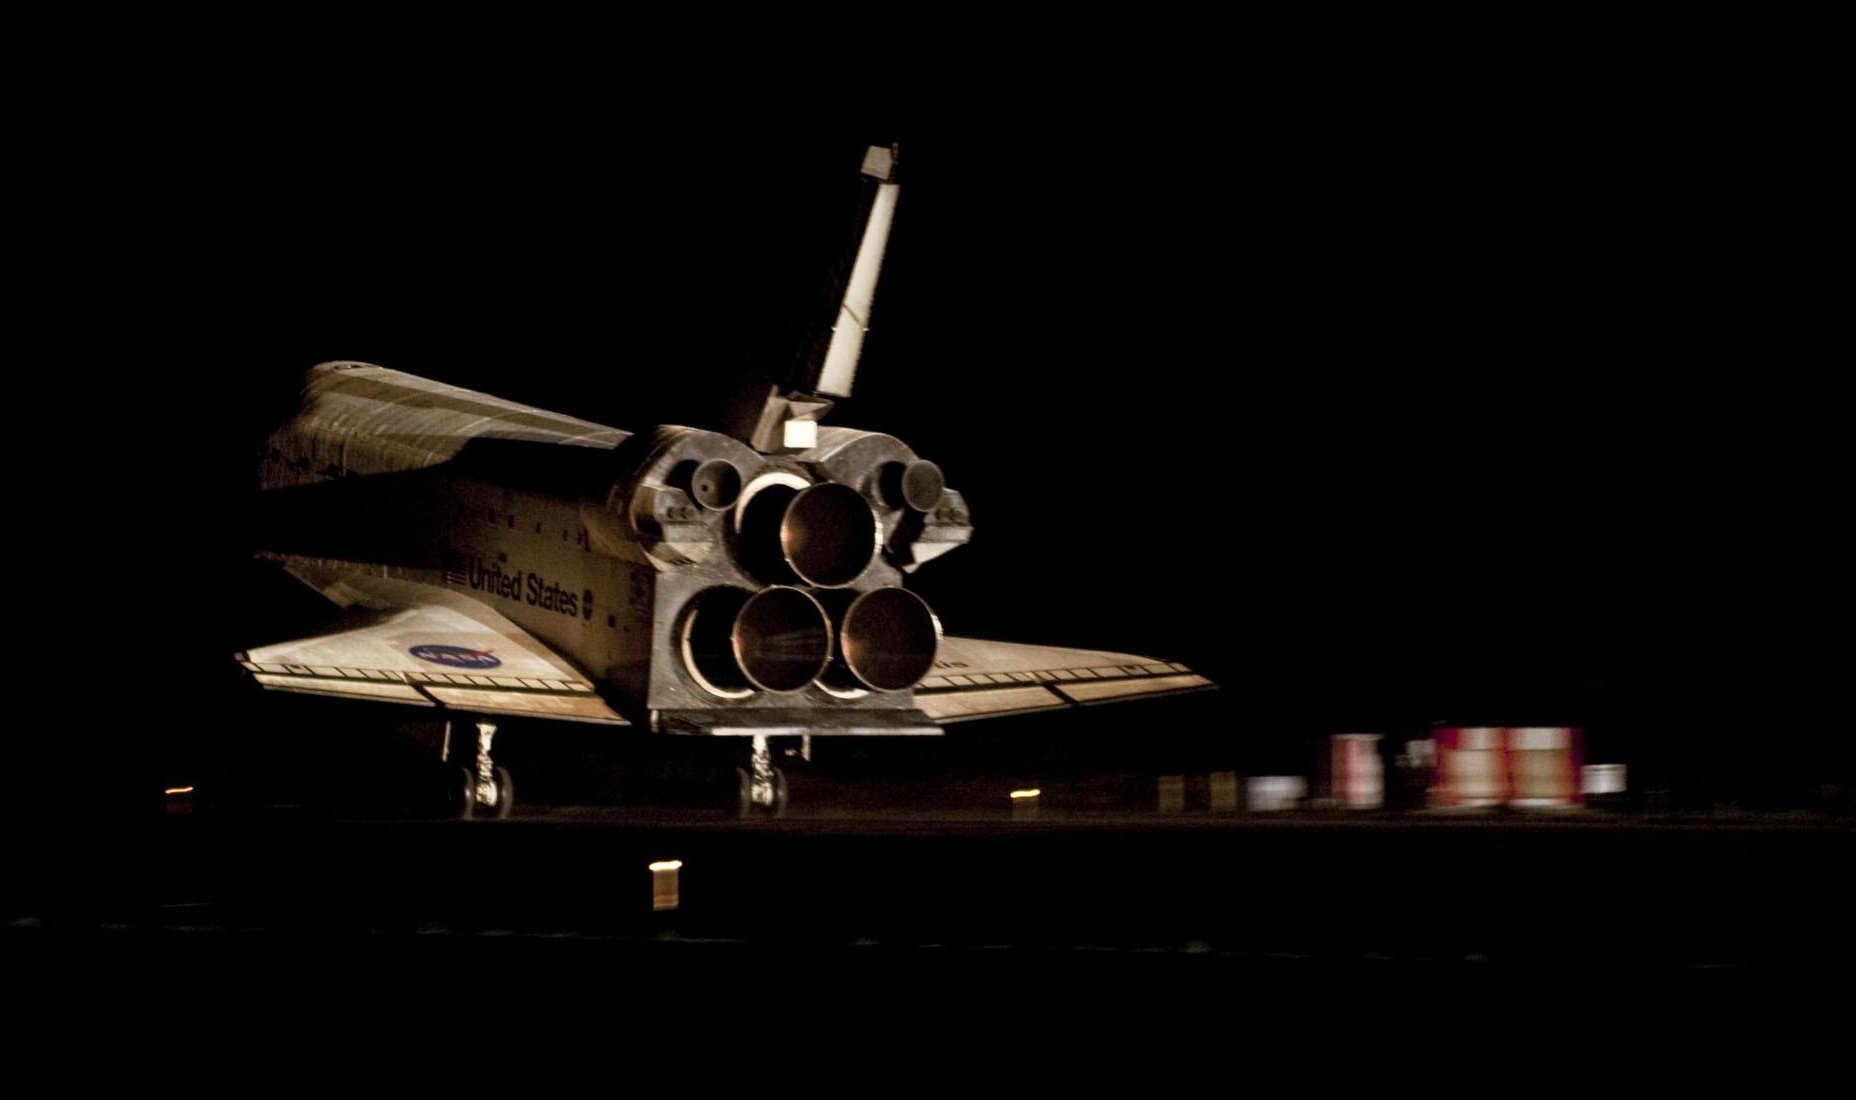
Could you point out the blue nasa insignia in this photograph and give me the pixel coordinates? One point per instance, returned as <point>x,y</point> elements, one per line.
<point>456,656</point>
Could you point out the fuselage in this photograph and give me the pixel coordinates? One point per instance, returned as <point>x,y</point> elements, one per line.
<point>682,572</point>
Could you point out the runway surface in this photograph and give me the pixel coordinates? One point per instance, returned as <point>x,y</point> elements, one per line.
<point>1092,920</point>
<point>1588,890</point>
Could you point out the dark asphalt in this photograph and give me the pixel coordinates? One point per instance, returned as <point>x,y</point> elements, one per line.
<point>1032,934</point>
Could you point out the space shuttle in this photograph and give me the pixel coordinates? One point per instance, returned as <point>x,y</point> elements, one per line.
<point>505,562</point>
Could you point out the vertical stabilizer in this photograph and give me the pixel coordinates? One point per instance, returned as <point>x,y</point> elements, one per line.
<point>788,420</point>
<point>847,333</point>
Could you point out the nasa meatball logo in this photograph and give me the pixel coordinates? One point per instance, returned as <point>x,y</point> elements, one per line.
<point>455,656</point>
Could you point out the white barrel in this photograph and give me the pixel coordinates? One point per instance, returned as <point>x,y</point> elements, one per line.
<point>1598,780</point>
<point>1275,792</point>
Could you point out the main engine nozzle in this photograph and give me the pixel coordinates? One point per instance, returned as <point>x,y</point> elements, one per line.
<point>886,640</point>
<point>735,641</point>
<point>823,535</point>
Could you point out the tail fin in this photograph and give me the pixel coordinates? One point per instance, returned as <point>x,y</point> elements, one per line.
<point>789,421</point>
<point>834,375</point>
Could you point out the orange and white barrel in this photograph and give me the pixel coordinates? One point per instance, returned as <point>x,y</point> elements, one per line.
<point>1543,766</point>
<point>1472,766</point>
<point>1359,776</point>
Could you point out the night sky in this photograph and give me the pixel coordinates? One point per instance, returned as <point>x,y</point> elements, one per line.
<point>1381,395</point>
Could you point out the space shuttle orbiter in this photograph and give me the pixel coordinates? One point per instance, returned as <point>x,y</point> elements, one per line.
<point>504,560</point>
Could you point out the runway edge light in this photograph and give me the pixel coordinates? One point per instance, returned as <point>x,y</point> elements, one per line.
<point>664,894</point>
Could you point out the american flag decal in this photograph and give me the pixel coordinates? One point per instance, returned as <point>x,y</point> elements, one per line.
<point>457,572</point>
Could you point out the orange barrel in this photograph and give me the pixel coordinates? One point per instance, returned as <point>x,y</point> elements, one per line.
<point>1359,775</point>
<point>1543,766</point>
<point>1472,769</point>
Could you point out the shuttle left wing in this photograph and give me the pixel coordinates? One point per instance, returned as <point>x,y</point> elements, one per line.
<point>423,646</point>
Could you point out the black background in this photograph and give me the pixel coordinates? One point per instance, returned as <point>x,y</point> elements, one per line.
<point>1386,381</point>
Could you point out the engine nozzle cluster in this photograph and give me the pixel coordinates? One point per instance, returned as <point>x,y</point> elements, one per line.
<point>782,639</point>
<point>780,574</point>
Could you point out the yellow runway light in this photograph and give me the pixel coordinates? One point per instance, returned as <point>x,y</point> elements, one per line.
<point>664,884</point>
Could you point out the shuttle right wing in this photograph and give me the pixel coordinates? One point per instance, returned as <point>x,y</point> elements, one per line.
<point>981,679</point>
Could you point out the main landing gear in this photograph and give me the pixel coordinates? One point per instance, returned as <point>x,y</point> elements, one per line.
<point>761,787</point>
<point>476,787</point>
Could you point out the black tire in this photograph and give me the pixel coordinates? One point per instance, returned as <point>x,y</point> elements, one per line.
<point>505,793</point>
<point>460,792</point>
<point>744,793</point>
<point>779,794</point>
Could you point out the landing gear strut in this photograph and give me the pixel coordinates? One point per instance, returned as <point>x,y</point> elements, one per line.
<point>762,787</point>
<point>480,787</point>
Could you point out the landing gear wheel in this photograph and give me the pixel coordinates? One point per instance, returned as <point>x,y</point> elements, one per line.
<point>457,792</point>
<point>744,788</point>
<point>778,809</point>
<point>746,807</point>
<point>505,793</point>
